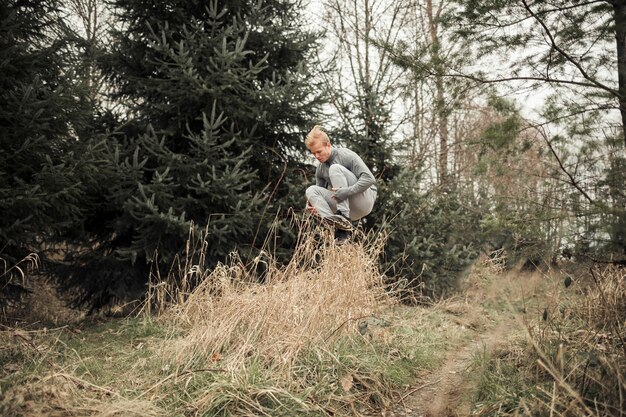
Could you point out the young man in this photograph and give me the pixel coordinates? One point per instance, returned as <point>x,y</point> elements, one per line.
<point>344,189</point>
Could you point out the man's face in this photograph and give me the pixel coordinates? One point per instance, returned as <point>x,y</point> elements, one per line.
<point>320,150</point>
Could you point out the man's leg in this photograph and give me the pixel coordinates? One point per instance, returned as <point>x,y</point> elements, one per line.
<point>358,205</point>
<point>362,204</point>
<point>322,200</point>
<point>325,206</point>
<point>342,177</point>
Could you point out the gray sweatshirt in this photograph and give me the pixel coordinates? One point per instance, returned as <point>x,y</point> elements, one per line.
<point>352,162</point>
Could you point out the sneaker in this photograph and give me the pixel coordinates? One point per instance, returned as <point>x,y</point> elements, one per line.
<point>339,221</point>
<point>342,236</point>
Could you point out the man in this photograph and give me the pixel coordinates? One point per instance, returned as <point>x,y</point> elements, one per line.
<point>344,189</point>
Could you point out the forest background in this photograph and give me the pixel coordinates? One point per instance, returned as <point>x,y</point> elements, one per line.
<point>130,129</point>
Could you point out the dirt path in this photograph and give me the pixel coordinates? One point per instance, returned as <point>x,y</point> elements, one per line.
<point>447,390</point>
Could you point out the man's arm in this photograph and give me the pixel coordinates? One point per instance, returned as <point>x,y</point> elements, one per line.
<point>365,178</point>
<point>319,179</point>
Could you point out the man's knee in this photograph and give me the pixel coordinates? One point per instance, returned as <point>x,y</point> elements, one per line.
<point>311,191</point>
<point>342,175</point>
<point>336,169</point>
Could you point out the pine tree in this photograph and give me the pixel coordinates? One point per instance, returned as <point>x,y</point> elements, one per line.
<point>216,95</point>
<point>40,109</point>
<point>432,235</point>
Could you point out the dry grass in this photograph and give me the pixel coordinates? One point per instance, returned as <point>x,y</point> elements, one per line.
<point>19,270</point>
<point>604,305</point>
<point>61,394</point>
<point>321,293</point>
<point>268,339</point>
<point>320,336</point>
<point>588,364</point>
<point>574,360</point>
<point>14,283</point>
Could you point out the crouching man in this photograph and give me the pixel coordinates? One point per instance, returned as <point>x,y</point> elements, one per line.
<point>344,190</point>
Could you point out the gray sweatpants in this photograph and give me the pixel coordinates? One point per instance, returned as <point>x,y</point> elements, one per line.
<point>356,206</point>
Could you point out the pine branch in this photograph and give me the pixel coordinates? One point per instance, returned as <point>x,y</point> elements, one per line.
<point>567,56</point>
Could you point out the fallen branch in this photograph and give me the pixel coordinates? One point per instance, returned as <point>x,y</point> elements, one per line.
<point>414,390</point>
<point>161,382</point>
<point>80,381</point>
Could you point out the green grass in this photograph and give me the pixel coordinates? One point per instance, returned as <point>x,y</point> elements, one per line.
<point>121,362</point>
<point>570,363</point>
<point>501,381</point>
<point>107,349</point>
<point>338,367</point>
<point>427,337</point>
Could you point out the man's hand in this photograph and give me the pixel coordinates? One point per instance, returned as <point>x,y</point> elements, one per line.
<point>310,208</point>
<point>341,194</point>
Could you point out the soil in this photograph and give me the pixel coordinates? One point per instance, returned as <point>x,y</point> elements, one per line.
<point>446,391</point>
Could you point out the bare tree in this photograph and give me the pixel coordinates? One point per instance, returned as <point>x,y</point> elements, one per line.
<point>439,105</point>
<point>366,87</point>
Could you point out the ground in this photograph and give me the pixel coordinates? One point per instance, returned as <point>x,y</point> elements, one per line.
<point>491,308</point>
<point>495,311</point>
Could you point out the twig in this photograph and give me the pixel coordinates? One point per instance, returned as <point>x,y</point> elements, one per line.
<point>572,180</point>
<point>567,56</point>
<point>269,199</point>
<point>4,327</point>
<point>161,382</point>
<point>32,345</point>
<point>26,341</point>
<point>342,324</point>
<point>87,383</point>
<point>419,388</point>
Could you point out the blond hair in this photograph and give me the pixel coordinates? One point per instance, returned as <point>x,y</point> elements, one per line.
<point>317,133</point>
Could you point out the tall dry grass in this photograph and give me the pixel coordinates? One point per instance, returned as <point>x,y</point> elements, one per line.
<point>14,283</point>
<point>581,354</point>
<point>321,293</point>
<point>573,361</point>
<point>254,338</point>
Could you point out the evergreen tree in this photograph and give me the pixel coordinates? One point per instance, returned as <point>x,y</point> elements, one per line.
<point>432,236</point>
<point>40,110</point>
<point>576,44</point>
<point>216,95</point>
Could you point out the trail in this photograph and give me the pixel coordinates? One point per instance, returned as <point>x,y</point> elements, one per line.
<point>447,390</point>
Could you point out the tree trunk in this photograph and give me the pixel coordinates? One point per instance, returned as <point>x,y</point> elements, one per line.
<point>619,10</point>
<point>440,105</point>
